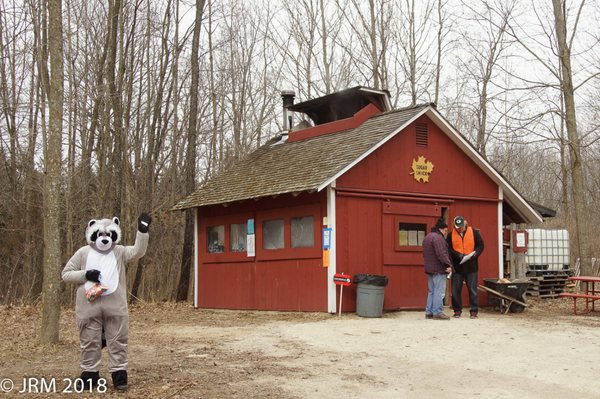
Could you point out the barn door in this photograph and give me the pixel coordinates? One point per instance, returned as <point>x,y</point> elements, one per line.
<point>405,225</point>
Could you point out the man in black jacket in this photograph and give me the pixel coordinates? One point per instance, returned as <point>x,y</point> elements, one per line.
<point>465,245</point>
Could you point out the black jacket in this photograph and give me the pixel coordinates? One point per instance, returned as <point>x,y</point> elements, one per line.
<point>472,264</point>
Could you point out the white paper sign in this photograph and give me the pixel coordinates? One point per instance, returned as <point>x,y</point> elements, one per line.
<point>520,239</point>
<point>251,244</point>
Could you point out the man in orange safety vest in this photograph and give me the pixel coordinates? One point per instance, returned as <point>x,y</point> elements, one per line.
<point>465,246</point>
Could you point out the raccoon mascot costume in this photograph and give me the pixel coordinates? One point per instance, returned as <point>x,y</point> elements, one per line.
<point>101,299</point>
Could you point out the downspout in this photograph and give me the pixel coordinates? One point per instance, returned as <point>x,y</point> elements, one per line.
<point>196,251</point>
<point>331,270</point>
<point>500,240</point>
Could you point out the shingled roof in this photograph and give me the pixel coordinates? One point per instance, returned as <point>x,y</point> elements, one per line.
<point>306,165</point>
<point>312,164</point>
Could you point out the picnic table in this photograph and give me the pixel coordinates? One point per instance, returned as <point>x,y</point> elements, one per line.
<point>589,293</point>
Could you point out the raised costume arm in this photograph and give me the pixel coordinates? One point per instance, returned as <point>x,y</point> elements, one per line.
<point>141,239</point>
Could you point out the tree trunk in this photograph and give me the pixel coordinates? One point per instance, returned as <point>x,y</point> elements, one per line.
<point>52,186</point>
<point>114,12</point>
<point>438,64</point>
<point>190,161</point>
<point>577,176</point>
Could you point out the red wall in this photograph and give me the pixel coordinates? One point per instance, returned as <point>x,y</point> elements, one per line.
<point>365,241</point>
<point>272,280</point>
<point>371,198</point>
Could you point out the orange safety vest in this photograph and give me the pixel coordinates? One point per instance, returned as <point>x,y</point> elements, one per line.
<point>465,244</point>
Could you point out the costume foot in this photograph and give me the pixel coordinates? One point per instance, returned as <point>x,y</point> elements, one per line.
<point>119,379</point>
<point>91,378</point>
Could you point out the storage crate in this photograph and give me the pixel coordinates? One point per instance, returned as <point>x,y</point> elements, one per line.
<point>548,249</point>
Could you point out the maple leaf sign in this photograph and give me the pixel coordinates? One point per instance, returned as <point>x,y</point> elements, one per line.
<point>421,169</point>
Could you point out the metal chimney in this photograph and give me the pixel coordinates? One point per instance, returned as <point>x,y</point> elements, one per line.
<point>288,99</point>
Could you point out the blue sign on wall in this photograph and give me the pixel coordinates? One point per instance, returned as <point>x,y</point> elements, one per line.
<point>326,238</point>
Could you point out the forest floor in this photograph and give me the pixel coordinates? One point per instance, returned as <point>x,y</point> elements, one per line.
<point>176,351</point>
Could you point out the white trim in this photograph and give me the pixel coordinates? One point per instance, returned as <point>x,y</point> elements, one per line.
<point>196,257</point>
<point>331,270</point>
<point>371,150</point>
<point>385,94</point>
<point>500,239</point>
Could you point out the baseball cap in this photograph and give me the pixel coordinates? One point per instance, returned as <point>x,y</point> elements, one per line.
<point>459,222</point>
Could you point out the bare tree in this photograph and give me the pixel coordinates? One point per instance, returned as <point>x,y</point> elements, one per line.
<point>118,155</point>
<point>312,47</point>
<point>148,163</point>
<point>52,180</point>
<point>299,49</point>
<point>20,199</point>
<point>134,102</point>
<point>486,52</point>
<point>414,38</point>
<point>570,116</point>
<point>556,57</point>
<point>370,31</point>
<point>443,28</point>
<point>190,159</point>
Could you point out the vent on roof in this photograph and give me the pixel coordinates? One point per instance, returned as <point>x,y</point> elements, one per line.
<point>422,134</point>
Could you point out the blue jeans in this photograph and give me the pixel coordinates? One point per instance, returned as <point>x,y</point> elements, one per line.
<point>437,290</point>
<point>457,282</point>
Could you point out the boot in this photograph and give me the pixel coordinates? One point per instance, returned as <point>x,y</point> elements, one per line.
<point>119,379</point>
<point>90,379</point>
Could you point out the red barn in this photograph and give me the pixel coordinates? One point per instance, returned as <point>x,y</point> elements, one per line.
<point>369,179</point>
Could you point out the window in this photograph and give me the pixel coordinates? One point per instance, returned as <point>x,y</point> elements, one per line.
<point>237,237</point>
<point>226,238</point>
<point>404,227</point>
<point>215,239</point>
<point>411,234</point>
<point>273,234</point>
<point>303,232</point>
<point>288,232</point>
<point>292,232</point>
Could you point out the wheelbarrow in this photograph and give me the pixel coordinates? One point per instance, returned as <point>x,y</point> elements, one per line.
<point>507,296</point>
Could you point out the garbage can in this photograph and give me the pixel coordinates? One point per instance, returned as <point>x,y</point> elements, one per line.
<point>369,294</point>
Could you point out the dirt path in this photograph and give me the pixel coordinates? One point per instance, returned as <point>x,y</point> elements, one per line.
<point>178,352</point>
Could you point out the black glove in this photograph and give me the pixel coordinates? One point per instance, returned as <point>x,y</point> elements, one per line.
<point>144,222</point>
<point>93,275</point>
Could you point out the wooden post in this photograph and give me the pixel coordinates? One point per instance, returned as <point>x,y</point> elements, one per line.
<point>511,253</point>
<point>518,267</point>
<point>519,260</point>
<point>341,296</point>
